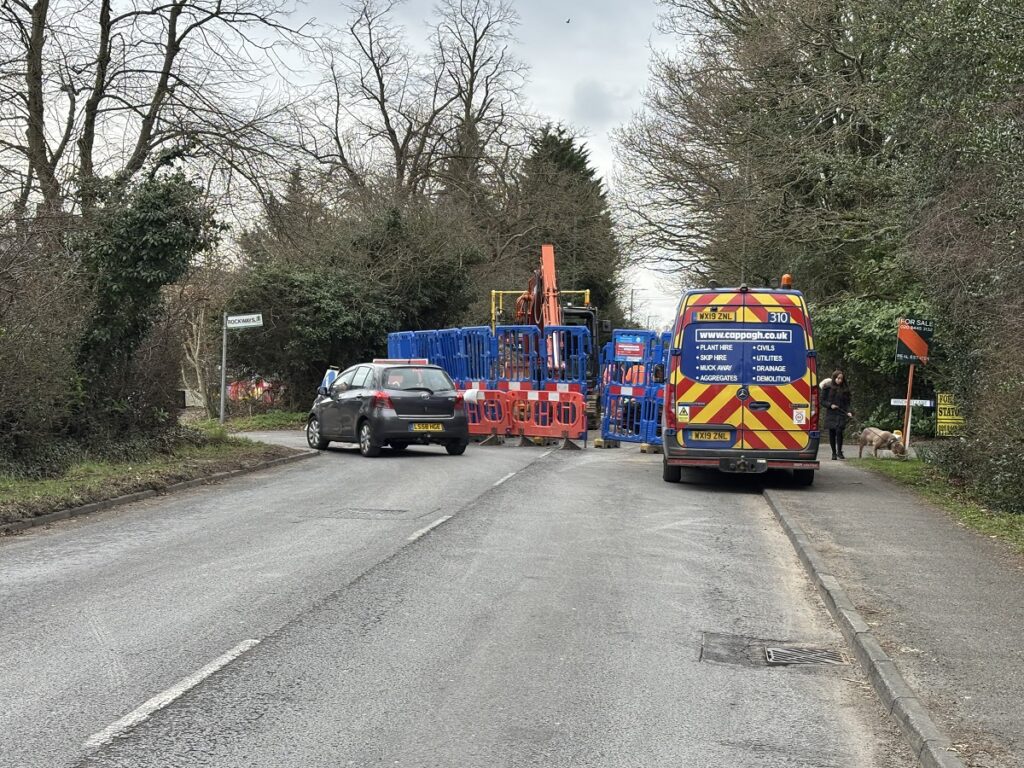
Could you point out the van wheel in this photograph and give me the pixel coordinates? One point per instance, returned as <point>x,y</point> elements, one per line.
<point>803,476</point>
<point>669,473</point>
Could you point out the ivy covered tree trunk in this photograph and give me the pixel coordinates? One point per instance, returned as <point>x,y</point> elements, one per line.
<point>138,242</point>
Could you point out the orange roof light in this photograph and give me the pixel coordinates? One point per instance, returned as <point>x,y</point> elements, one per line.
<point>787,281</point>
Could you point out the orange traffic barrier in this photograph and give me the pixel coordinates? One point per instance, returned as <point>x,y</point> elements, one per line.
<point>488,413</point>
<point>548,414</point>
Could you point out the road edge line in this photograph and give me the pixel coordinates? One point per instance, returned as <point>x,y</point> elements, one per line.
<point>932,747</point>
<point>154,704</point>
<point>118,501</point>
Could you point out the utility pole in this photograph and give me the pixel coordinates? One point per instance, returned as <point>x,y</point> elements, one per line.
<point>631,292</point>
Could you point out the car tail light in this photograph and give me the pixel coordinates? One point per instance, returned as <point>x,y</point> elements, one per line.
<point>381,400</point>
<point>460,401</point>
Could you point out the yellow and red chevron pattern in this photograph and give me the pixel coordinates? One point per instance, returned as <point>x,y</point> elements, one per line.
<point>786,423</point>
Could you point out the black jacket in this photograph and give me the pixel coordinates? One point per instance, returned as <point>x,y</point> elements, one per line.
<point>840,397</point>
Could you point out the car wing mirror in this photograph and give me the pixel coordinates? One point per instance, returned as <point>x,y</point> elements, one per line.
<point>322,390</point>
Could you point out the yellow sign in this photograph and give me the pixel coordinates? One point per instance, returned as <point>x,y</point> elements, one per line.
<point>714,316</point>
<point>949,421</point>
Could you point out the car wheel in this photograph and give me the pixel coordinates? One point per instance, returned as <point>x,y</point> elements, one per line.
<point>313,436</point>
<point>367,445</point>
<point>803,476</point>
<point>456,449</point>
<point>671,474</point>
<point>399,446</point>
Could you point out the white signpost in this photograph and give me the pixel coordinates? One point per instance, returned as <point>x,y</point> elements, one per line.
<point>251,320</point>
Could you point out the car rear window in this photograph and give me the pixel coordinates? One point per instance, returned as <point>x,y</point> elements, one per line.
<point>402,378</point>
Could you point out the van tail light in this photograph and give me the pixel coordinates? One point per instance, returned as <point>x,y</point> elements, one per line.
<point>814,409</point>
<point>815,394</point>
<point>381,399</point>
<point>670,406</point>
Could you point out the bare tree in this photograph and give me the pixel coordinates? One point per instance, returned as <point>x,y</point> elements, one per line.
<point>384,114</point>
<point>90,90</point>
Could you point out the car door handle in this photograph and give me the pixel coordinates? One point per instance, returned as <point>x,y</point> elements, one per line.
<point>759,405</point>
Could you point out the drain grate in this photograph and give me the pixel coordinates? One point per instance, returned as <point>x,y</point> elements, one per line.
<point>780,656</point>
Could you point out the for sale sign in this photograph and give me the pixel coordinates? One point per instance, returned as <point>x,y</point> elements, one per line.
<point>913,337</point>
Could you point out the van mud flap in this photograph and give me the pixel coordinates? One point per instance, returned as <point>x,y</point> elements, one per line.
<point>743,465</point>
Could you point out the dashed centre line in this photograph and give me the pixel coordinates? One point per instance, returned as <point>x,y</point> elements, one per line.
<point>429,528</point>
<point>162,699</point>
<point>506,477</point>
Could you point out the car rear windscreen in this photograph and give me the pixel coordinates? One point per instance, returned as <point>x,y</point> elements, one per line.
<point>434,379</point>
<point>761,354</point>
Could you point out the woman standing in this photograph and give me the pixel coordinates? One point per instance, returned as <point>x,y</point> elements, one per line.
<point>835,400</point>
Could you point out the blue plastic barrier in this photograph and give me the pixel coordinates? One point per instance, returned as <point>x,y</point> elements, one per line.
<point>447,352</point>
<point>330,376</point>
<point>519,354</point>
<point>567,351</point>
<point>480,350</point>
<point>401,345</point>
<point>654,402</point>
<point>622,414</point>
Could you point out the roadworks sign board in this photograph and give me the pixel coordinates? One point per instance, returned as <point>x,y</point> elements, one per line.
<point>913,337</point>
<point>629,348</point>
<point>949,421</point>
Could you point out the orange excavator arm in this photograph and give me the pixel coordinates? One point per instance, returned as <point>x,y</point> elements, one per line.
<point>541,304</point>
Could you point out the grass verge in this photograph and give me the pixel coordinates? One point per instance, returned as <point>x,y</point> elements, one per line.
<point>89,481</point>
<point>257,423</point>
<point>930,483</point>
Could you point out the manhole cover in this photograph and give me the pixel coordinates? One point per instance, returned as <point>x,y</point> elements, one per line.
<point>781,656</point>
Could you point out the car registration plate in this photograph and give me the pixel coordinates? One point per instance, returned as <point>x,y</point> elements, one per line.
<point>426,427</point>
<point>713,437</point>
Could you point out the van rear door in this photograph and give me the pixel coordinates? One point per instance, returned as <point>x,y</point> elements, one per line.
<point>778,372</point>
<point>707,381</point>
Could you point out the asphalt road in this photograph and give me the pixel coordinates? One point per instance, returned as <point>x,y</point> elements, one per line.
<point>426,610</point>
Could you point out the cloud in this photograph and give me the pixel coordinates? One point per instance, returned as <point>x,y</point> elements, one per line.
<point>594,106</point>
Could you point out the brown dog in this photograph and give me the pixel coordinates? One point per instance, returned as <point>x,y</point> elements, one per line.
<point>878,438</point>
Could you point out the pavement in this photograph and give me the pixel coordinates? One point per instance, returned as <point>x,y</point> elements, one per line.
<point>946,603</point>
<point>510,607</point>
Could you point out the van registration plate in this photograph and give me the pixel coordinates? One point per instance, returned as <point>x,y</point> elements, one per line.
<point>426,427</point>
<point>711,437</point>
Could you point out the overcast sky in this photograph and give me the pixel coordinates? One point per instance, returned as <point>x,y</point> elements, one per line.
<point>588,73</point>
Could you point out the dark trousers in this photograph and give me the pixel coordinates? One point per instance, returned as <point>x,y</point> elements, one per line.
<point>835,439</point>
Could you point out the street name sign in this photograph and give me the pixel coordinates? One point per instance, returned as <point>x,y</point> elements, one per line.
<point>254,320</point>
<point>902,402</point>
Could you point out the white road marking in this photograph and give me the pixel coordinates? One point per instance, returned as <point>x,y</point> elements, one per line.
<point>429,528</point>
<point>161,700</point>
<point>506,477</point>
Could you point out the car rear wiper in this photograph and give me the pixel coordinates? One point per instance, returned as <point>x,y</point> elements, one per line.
<point>419,389</point>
